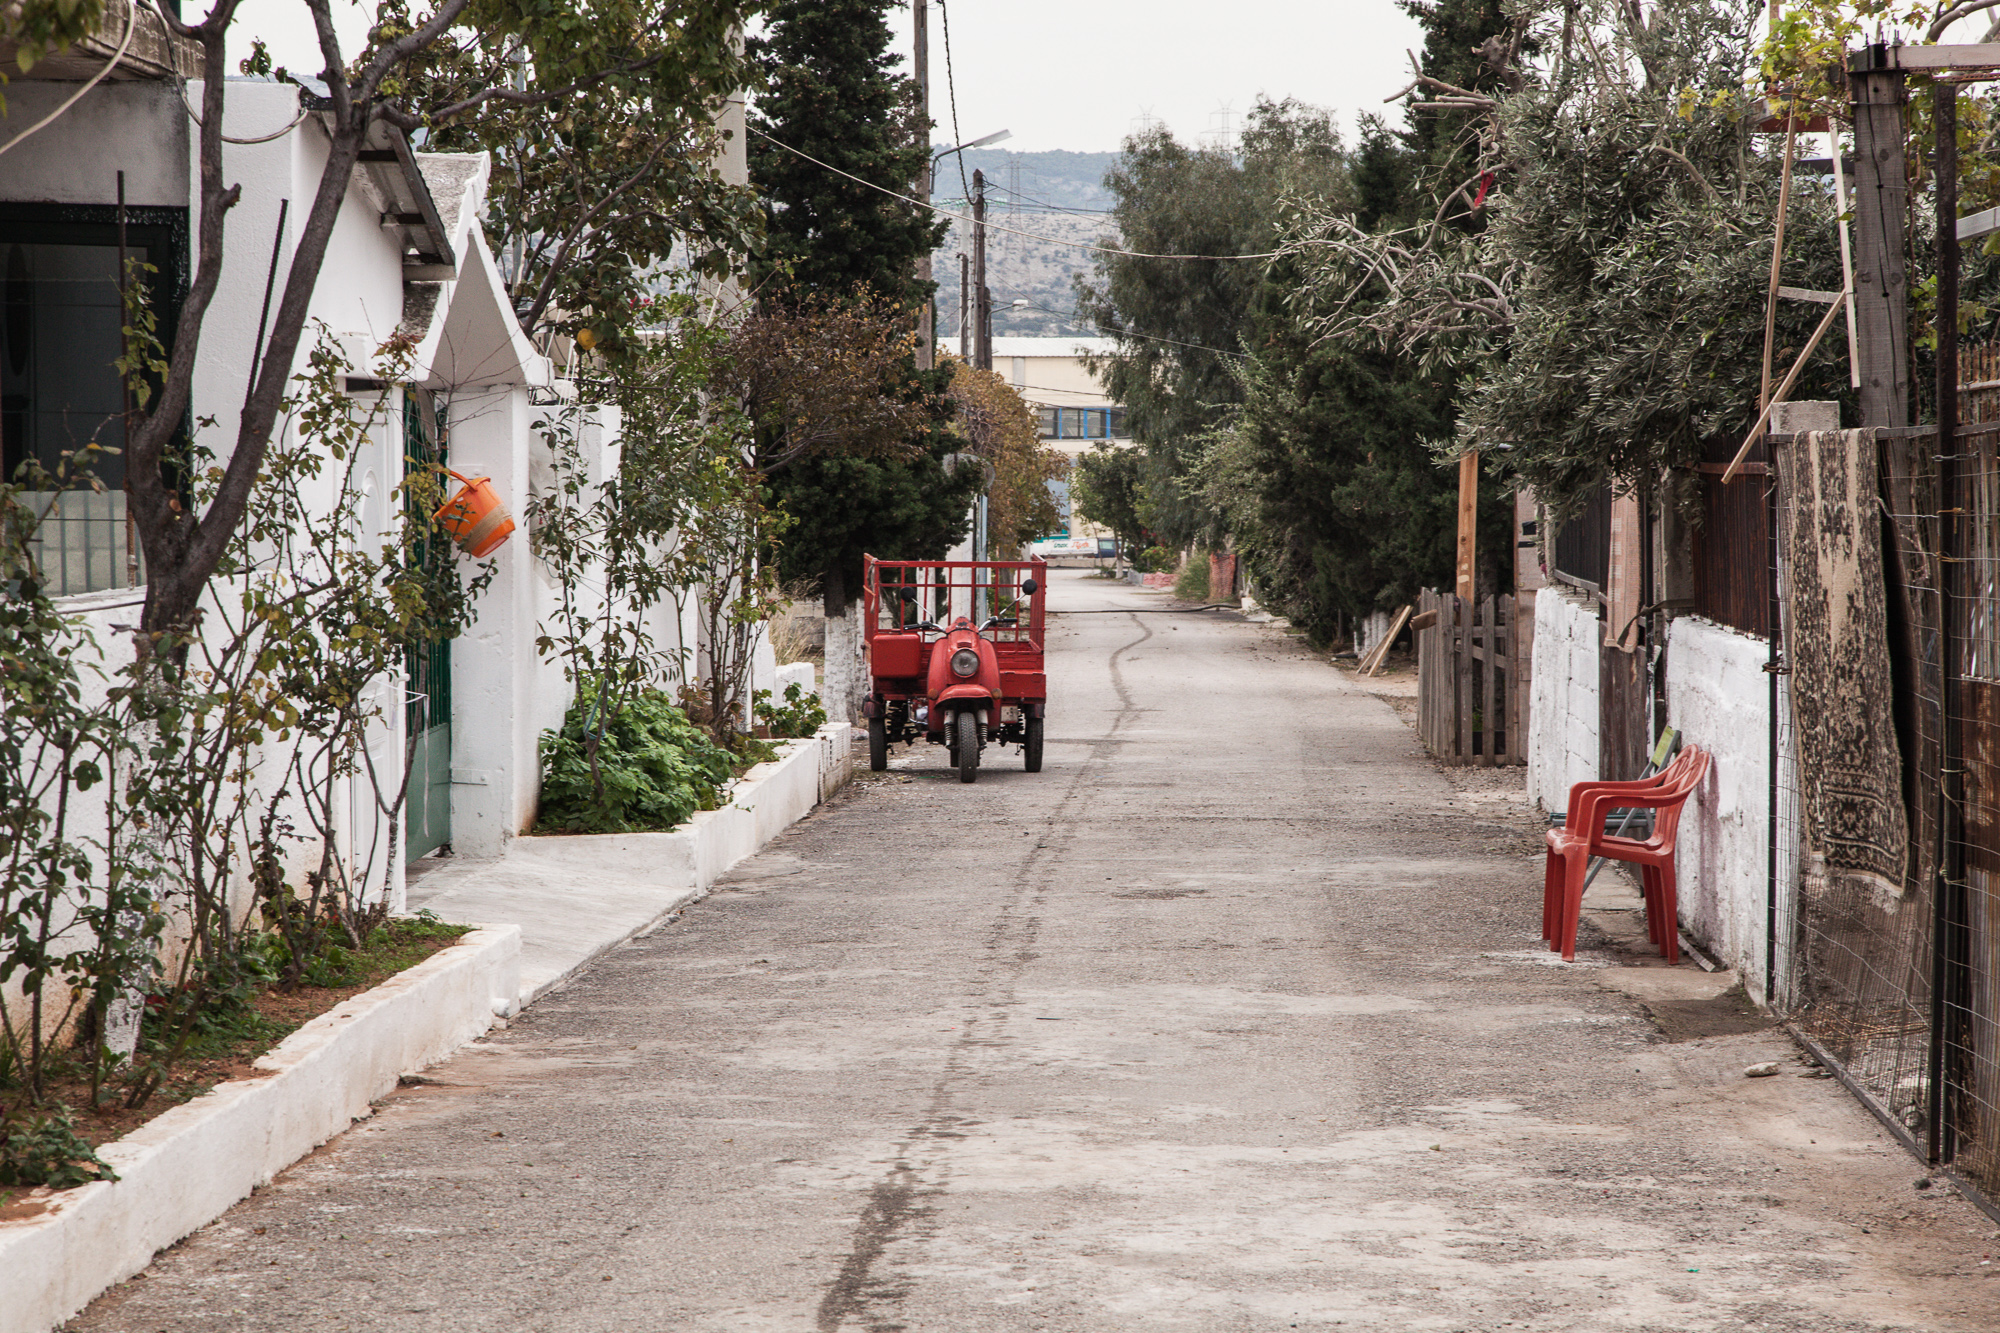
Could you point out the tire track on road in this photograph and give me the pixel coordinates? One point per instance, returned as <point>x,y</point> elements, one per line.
<point>900,1205</point>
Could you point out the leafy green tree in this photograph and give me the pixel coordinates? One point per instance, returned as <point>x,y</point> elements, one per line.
<point>845,506</point>
<point>601,125</point>
<point>686,46</point>
<point>1180,324</point>
<point>1108,487</point>
<point>832,94</point>
<point>1608,320</point>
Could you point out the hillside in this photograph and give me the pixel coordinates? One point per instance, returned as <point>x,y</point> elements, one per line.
<point>1055,195</point>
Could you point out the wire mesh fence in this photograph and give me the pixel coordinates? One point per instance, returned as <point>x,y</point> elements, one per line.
<point>1862,891</point>
<point>1887,552</point>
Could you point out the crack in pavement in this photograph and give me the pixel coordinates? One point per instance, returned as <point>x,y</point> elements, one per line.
<point>895,1209</point>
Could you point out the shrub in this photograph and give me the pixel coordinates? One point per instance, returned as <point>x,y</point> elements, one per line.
<point>45,1149</point>
<point>801,714</point>
<point>1153,560</point>
<point>653,767</point>
<point>1192,585</point>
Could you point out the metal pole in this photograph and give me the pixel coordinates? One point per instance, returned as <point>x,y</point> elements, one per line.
<point>125,386</point>
<point>1944,918</point>
<point>964,307</point>
<point>982,300</point>
<point>1772,665</point>
<point>921,61</point>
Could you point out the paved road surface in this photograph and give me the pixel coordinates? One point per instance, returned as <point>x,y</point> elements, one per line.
<point>1231,1019</point>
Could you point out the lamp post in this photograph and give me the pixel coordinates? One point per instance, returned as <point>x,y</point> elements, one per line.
<point>969,353</point>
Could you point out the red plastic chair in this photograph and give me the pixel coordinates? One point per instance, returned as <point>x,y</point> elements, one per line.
<point>1582,837</point>
<point>1552,891</point>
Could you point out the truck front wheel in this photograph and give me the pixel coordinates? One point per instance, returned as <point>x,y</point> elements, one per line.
<point>967,748</point>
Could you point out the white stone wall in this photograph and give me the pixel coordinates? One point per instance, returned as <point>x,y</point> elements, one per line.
<point>1718,697</point>
<point>1563,696</point>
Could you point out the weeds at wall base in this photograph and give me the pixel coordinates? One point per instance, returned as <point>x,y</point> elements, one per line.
<point>55,1146</point>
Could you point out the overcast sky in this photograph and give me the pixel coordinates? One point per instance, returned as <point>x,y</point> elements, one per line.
<point>1080,74</point>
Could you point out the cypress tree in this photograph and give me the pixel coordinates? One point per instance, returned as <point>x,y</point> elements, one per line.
<point>833,94</point>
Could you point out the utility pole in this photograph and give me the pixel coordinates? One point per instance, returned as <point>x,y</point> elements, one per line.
<point>965,307</point>
<point>982,300</point>
<point>926,317</point>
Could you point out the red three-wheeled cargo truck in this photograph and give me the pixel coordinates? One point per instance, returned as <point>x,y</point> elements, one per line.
<point>955,656</point>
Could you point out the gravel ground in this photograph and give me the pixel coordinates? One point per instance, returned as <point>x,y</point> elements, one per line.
<point>1234,1018</point>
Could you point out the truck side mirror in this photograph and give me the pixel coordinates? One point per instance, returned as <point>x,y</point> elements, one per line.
<point>1029,587</point>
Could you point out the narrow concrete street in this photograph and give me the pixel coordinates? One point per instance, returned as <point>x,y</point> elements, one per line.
<point>1233,1018</point>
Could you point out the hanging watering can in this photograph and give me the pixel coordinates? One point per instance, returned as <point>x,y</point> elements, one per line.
<point>474,518</point>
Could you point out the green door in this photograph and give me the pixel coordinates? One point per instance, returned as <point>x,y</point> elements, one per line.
<point>429,709</point>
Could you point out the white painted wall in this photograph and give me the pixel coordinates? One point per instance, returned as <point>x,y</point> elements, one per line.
<point>1718,698</point>
<point>77,158</point>
<point>1563,696</point>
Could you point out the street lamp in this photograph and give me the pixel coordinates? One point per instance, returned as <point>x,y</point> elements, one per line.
<point>971,143</point>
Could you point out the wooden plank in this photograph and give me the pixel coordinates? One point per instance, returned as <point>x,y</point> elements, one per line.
<point>1487,717</point>
<point>1524,664</point>
<point>1976,225</point>
<point>1881,275</point>
<point>1468,520</point>
<point>1426,673</point>
<point>1510,609</point>
<point>1388,640</point>
<point>1967,55</point>
<point>1463,693</point>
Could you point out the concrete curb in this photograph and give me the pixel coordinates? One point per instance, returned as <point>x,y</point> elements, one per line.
<point>576,897</point>
<point>185,1168</point>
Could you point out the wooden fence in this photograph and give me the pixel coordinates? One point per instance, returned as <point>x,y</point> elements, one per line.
<point>1472,679</point>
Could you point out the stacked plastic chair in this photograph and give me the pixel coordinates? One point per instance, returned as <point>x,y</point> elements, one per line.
<point>1584,836</point>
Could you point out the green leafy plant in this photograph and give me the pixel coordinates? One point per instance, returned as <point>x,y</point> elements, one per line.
<point>1192,585</point>
<point>799,715</point>
<point>652,768</point>
<point>44,1149</point>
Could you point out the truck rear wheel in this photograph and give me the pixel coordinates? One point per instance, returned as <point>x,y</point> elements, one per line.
<point>967,748</point>
<point>1031,746</point>
<point>878,744</point>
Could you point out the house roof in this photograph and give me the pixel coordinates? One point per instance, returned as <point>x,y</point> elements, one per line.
<point>389,165</point>
<point>466,331</point>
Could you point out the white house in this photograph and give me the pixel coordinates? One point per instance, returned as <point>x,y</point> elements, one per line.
<point>408,256</point>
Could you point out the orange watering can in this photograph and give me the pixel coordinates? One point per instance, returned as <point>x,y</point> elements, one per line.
<point>474,518</point>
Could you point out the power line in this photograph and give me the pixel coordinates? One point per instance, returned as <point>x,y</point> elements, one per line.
<point>1057,208</point>
<point>994,226</point>
<point>951,87</point>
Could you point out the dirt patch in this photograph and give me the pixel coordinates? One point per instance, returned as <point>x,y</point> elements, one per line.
<point>1727,1015</point>
<point>274,1015</point>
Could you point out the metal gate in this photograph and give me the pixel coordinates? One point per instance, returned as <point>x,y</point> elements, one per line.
<point>428,713</point>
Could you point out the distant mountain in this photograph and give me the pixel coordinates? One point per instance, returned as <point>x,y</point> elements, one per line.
<point>1054,197</point>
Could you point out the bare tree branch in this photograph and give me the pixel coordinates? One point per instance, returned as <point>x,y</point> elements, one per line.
<point>1954,14</point>
<point>542,294</point>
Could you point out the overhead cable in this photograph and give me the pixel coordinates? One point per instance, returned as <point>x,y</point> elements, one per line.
<point>124,44</point>
<point>994,226</point>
